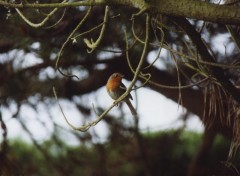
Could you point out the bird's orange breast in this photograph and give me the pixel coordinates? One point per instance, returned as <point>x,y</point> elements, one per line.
<point>113,85</point>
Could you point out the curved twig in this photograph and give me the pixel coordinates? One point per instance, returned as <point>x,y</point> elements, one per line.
<point>58,21</point>
<point>159,50</point>
<point>37,25</point>
<point>68,39</point>
<point>85,127</point>
<point>93,45</point>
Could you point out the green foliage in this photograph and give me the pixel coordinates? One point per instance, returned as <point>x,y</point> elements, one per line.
<point>173,148</point>
<point>168,153</point>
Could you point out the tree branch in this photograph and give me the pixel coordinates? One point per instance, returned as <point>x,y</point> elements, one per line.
<point>217,72</point>
<point>188,8</point>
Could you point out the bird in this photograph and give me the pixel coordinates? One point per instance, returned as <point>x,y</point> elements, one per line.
<point>116,88</point>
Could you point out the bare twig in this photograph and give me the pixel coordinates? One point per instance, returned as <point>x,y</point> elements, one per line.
<point>68,39</point>
<point>37,25</point>
<point>58,21</point>
<point>93,45</point>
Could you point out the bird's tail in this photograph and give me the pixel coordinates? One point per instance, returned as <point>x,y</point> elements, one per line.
<point>132,109</point>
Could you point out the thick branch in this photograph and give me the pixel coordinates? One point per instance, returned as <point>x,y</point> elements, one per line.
<point>199,10</point>
<point>181,8</point>
<point>206,56</point>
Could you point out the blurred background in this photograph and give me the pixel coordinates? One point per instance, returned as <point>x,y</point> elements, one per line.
<point>186,120</point>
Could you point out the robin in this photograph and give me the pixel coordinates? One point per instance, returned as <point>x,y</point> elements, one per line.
<point>116,88</point>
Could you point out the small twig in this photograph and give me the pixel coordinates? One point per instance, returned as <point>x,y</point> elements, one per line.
<point>134,34</point>
<point>88,31</point>
<point>56,23</point>
<point>160,48</point>
<point>139,13</point>
<point>68,39</point>
<point>85,127</point>
<point>120,51</point>
<point>37,25</point>
<point>178,79</point>
<point>148,75</point>
<point>94,109</point>
<point>93,45</point>
<point>60,107</point>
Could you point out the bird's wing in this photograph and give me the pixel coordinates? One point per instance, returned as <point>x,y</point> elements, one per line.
<point>122,86</point>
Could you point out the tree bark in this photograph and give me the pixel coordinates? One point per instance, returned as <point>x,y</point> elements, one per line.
<point>182,8</point>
